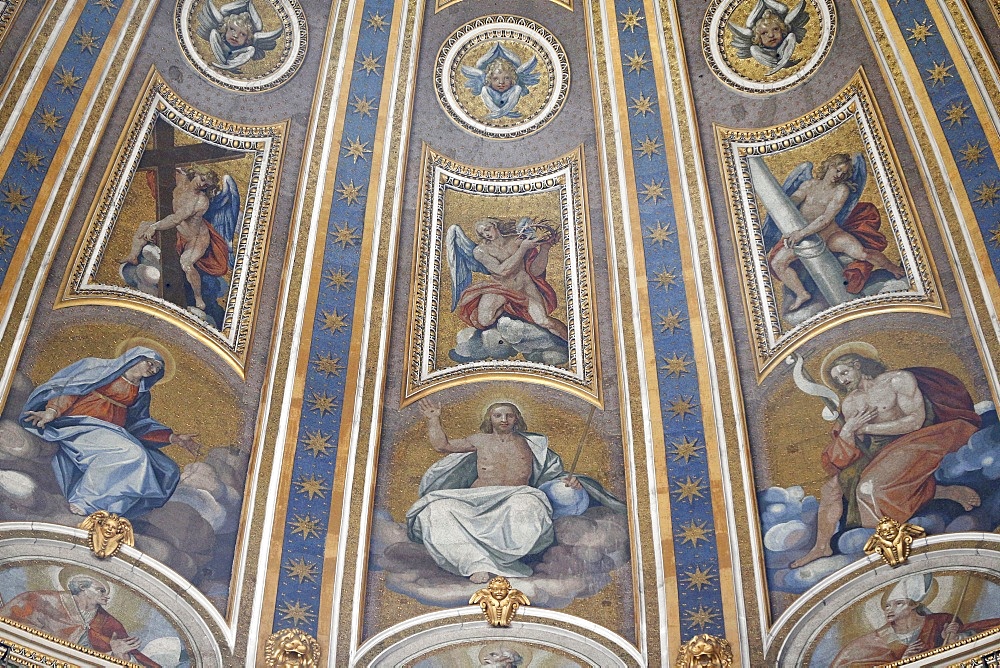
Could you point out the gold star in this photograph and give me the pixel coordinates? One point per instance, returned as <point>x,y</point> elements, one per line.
<point>297,613</point>
<point>301,569</point>
<point>670,321</point>
<point>350,193</point>
<point>345,236</point>
<point>637,62</point>
<point>649,147</point>
<point>972,154</point>
<point>376,22</point>
<point>939,73</point>
<point>5,238</point>
<point>682,407</point>
<point>67,80</point>
<point>363,105</point>
<point>356,149</point>
<point>994,235</point>
<point>322,403</point>
<point>32,159</point>
<point>988,194</point>
<point>307,525</point>
<point>641,105</point>
<point>86,41</point>
<point>676,366</point>
<point>698,578</point>
<point>920,31</point>
<point>701,617</point>
<point>317,443</point>
<point>689,490</point>
<point>334,321</point>
<point>956,113</point>
<point>311,486</point>
<point>370,64</point>
<point>665,279</point>
<point>654,190</point>
<point>49,120</point>
<point>630,20</point>
<point>660,234</point>
<point>338,280</point>
<point>328,364</point>
<point>694,531</point>
<point>106,5</point>
<point>15,198</point>
<point>685,449</point>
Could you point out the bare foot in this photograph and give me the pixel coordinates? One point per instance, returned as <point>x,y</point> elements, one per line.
<point>799,301</point>
<point>960,493</point>
<point>812,556</point>
<point>77,510</point>
<point>479,577</point>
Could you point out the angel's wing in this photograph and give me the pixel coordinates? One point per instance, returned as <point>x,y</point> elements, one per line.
<point>220,49</point>
<point>489,57</point>
<point>519,597</point>
<point>224,213</point>
<point>779,8</point>
<point>461,262</point>
<point>742,40</point>
<point>797,19</point>
<point>526,74</point>
<point>258,24</point>
<point>480,594</point>
<point>859,178</point>
<point>475,79</point>
<point>765,56</point>
<point>266,41</point>
<point>784,52</point>
<point>209,19</point>
<point>238,57</point>
<point>236,7</point>
<point>755,14</point>
<point>795,178</point>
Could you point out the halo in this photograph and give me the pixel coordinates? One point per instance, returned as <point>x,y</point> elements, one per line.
<point>67,573</point>
<point>858,347</point>
<point>169,366</point>
<point>501,645</point>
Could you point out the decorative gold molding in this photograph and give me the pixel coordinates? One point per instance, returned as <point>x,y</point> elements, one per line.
<point>705,651</point>
<point>499,601</point>
<point>108,532</point>
<point>14,654</point>
<point>291,648</point>
<point>444,4</point>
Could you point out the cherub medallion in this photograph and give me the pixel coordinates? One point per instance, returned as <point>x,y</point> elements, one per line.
<point>502,77</point>
<point>244,45</point>
<point>767,46</point>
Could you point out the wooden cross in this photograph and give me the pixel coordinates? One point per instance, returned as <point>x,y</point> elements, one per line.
<point>165,157</point>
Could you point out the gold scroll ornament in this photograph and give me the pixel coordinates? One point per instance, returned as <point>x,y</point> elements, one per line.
<point>892,540</point>
<point>108,532</point>
<point>499,601</point>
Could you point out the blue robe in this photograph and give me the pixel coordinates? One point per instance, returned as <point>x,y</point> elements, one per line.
<point>100,465</point>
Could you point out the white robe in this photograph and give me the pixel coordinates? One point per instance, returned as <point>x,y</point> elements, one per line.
<point>484,529</point>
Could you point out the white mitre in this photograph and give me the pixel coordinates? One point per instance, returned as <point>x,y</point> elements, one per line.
<point>910,588</point>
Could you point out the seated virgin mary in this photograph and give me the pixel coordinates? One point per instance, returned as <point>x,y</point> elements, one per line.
<point>97,411</point>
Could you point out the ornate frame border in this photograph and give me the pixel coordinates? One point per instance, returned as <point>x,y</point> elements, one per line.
<point>292,18</point>
<point>444,86</point>
<point>713,33</point>
<point>266,142</point>
<point>855,103</point>
<point>564,175</point>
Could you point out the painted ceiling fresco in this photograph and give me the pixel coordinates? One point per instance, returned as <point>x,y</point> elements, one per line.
<point>318,318</point>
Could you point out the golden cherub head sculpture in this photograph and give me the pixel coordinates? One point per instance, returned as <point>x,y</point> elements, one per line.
<point>108,532</point>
